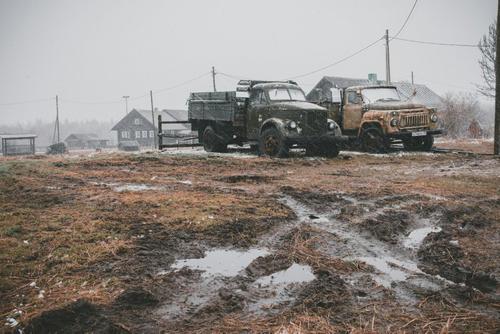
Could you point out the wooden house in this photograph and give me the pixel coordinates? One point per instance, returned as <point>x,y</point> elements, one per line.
<point>138,126</point>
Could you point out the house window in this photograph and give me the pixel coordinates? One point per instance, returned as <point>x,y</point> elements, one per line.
<point>151,133</point>
<point>138,134</point>
<point>144,134</point>
<point>125,134</point>
<point>137,121</point>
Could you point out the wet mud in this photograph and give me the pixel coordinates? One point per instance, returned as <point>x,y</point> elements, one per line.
<point>260,253</point>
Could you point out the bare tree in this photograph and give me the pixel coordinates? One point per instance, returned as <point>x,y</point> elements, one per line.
<point>459,111</point>
<point>488,47</point>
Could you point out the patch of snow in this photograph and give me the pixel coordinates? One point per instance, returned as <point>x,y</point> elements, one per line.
<point>415,238</point>
<point>11,322</point>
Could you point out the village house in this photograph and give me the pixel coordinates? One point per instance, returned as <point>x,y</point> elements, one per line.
<point>137,126</point>
<point>327,88</point>
<point>85,141</point>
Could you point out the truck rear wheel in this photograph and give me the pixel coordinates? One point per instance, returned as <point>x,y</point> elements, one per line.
<point>373,140</point>
<point>211,141</point>
<point>272,144</point>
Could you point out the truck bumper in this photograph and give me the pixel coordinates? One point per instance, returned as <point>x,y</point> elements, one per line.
<point>407,135</point>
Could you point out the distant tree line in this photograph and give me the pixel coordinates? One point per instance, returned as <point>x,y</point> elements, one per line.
<point>45,130</point>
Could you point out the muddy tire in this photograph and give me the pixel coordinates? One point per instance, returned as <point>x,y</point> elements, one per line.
<point>212,142</point>
<point>374,141</point>
<point>272,144</point>
<point>419,144</point>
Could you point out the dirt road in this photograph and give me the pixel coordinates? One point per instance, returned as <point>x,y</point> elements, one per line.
<point>403,242</point>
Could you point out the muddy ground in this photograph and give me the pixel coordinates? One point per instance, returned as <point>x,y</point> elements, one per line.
<point>174,242</point>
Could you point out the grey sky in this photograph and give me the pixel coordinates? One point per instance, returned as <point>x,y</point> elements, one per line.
<point>100,50</point>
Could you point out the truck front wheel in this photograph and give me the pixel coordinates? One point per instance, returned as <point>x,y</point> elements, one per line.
<point>373,140</point>
<point>272,144</point>
<point>211,141</point>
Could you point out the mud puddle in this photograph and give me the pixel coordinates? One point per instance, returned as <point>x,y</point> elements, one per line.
<point>296,273</point>
<point>222,262</point>
<point>277,290</point>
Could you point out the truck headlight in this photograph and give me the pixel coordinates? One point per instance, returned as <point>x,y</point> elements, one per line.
<point>394,122</point>
<point>331,125</point>
<point>434,118</point>
<point>292,125</point>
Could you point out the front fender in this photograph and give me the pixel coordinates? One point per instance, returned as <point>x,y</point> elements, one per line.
<point>337,131</point>
<point>274,122</point>
<point>371,122</point>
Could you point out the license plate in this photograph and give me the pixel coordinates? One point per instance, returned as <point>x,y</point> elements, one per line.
<point>418,133</point>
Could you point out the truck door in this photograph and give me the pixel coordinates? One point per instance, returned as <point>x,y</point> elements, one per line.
<point>352,110</point>
<point>257,106</point>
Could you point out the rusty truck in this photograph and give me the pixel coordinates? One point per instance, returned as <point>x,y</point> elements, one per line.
<point>271,116</point>
<point>375,116</point>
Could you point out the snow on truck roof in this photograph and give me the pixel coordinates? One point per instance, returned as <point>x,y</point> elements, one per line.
<point>370,86</point>
<point>275,85</point>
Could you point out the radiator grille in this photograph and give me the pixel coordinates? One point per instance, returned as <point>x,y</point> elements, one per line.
<point>414,120</point>
<point>315,122</point>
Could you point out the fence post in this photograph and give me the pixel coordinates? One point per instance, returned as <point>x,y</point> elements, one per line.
<point>160,132</point>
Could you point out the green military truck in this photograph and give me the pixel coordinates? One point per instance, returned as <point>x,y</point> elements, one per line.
<point>271,116</point>
<point>375,117</point>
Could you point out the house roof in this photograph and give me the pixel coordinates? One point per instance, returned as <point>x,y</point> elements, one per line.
<point>166,115</point>
<point>416,93</point>
<point>82,136</point>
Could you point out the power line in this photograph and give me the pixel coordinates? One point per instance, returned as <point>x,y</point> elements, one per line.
<point>339,61</point>
<point>435,43</point>
<point>232,76</point>
<point>406,21</point>
<point>137,97</point>
<point>182,83</point>
<point>26,102</point>
<point>91,102</point>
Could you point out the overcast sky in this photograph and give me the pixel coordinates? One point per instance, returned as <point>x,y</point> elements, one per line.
<point>92,51</point>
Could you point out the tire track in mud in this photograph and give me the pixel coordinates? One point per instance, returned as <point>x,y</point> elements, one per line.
<point>395,266</point>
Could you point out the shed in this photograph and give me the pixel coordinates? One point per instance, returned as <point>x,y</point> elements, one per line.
<point>85,140</point>
<point>18,144</point>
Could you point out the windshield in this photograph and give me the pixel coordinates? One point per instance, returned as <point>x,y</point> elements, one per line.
<point>371,95</point>
<point>286,94</point>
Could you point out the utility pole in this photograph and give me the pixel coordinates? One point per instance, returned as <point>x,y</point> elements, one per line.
<point>387,60</point>
<point>153,116</point>
<point>126,104</point>
<point>496,143</point>
<point>412,82</point>
<point>213,78</point>
<point>56,125</point>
